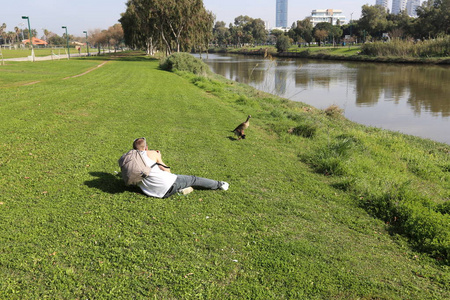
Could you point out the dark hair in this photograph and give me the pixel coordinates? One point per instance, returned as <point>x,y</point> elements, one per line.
<point>139,144</point>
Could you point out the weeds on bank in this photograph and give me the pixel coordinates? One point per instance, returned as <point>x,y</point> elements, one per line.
<point>439,47</point>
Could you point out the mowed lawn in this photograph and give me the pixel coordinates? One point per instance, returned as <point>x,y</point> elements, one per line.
<point>70,228</point>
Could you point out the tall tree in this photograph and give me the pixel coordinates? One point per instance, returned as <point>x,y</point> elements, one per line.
<point>373,20</point>
<point>323,30</point>
<point>115,35</point>
<point>433,18</point>
<point>304,30</point>
<point>174,25</point>
<point>221,33</point>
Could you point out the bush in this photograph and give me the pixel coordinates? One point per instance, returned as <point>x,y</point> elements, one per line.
<point>283,43</point>
<point>185,62</point>
<point>334,111</point>
<point>304,130</point>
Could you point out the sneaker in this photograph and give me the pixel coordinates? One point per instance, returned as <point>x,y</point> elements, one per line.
<point>224,186</point>
<point>186,191</point>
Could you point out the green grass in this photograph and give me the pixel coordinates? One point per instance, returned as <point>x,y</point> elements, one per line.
<point>16,53</point>
<point>289,227</point>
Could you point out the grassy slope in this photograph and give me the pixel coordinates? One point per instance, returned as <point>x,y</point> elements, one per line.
<point>71,229</point>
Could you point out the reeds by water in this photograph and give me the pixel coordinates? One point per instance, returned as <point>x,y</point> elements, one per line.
<point>439,47</point>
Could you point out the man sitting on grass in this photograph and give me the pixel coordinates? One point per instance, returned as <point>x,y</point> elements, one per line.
<point>161,183</point>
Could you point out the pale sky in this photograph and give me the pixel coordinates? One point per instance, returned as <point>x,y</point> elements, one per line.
<point>80,15</point>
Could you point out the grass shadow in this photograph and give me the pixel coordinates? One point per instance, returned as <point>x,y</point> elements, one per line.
<point>109,183</point>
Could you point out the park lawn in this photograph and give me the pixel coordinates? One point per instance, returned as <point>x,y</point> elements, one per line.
<point>71,229</point>
<point>14,74</point>
<point>16,53</point>
<point>39,52</point>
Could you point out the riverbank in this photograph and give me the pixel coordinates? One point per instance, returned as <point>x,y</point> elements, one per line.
<point>318,207</point>
<point>328,54</point>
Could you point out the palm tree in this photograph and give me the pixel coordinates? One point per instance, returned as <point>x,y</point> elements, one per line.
<point>17,31</point>
<point>46,33</point>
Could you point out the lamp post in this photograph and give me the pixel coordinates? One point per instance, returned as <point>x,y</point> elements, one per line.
<point>29,35</point>
<point>67,37</point>
<point>351,29</point>
<point>351,24</point>
<point>87,44</point>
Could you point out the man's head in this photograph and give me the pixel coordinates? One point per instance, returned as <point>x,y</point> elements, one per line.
<point>140,144</point>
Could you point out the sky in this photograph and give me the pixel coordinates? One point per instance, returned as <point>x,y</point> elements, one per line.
<point>81,15</point>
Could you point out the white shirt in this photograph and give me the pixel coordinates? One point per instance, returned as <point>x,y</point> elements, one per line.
<point>158,182</point>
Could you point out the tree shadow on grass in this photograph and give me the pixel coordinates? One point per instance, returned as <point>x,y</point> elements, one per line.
<point>109,183</point>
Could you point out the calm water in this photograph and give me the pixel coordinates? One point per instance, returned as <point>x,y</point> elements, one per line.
<point>412,99</point>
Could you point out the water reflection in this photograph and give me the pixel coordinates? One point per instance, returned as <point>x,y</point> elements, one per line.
<point>414,99</point>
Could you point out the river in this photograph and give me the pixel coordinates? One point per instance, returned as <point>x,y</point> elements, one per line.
<point>412,99</point>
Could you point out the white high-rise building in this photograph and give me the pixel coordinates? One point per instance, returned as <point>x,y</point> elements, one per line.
<point>398,6</point>
<point>383,3</point>
<point>333,16</point>
<point>411,7</point>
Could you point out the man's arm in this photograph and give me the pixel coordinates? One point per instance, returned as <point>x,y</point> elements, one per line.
<point>155,155</point>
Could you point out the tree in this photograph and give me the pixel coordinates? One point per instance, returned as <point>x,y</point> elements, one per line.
<point>400,25</point>
<point>321,31</point>
<point>54,39</point>
<point>373,20</point>
<point>283,43</point>
<point>258,30</point>
<point>277,32</point>
<point>304,30</point>
<point>167,24</point>
<point>333,31</point>
<point>115,35</point>
<point>320,35</point>
<point>433,18</point>
<point>46,34</point>
<point>221,34</point>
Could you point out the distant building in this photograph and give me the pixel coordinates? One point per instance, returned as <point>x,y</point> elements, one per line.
<point>411,7</point>
<point>383,3</point>
<point>282,13</point>
<point>398,6</point>
<point>333,16</point>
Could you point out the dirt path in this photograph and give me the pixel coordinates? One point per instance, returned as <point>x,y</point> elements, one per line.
<point>88,71</point>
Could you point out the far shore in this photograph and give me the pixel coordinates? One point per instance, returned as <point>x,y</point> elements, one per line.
<point>327,54</point>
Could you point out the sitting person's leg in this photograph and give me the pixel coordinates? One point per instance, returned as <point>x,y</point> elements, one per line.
<point>185,181</point>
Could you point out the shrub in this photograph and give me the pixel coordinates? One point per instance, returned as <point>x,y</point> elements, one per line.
<point>334,111</point>
<point>185,62</point>
<point>283,43</point>
<point>304,130</point>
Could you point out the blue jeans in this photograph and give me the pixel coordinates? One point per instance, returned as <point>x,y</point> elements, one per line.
<point>184,181</point>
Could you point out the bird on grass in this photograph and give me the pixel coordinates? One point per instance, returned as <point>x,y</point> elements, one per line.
<point>239,131</point>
